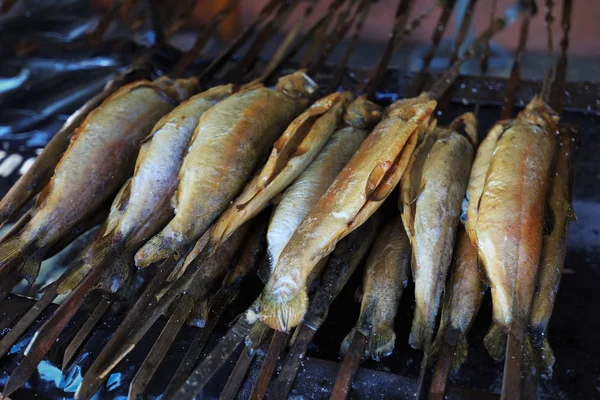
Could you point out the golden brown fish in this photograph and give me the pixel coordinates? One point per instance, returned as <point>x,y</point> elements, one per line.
<point>509,221</point>
<point>462,299</point>
<point>298,199</point>
<point>356,193</point>
<point>155,178</point>
<point>433,188</point>
<point>100,157</point>
<point>386,275</point>
<point>228,143</point>
<point>559,214</point>
<point>295,149</point>
<point>40,172</point>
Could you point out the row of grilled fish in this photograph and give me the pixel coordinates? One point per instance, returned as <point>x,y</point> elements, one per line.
<point>330,164</point>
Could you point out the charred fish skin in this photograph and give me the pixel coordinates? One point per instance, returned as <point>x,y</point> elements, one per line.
<point>356,193</point>
<point>295,149</point>
<point>297,200</point>
<point>462,299</point>
<point>230,139</point>
<point>100,156</point>
<point>510,218</point>
<point>439,187</point>
<point>554,249</point>
<point>386,275</point>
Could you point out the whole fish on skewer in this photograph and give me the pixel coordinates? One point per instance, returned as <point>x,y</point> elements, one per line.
<point>355,194</point>
<point>298,199</point>
<point>155,178</point>
<point>139,211</point>
<point>385,277</point>
<point>240,129</point>
<point>433,188</point>
<point>100,156</point>
<point>462,299</point>
<point>295,149</point>
<point>559,214</point>
<point>507,222</point>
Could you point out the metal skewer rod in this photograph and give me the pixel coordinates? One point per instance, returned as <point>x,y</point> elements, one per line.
<point>416,86</point>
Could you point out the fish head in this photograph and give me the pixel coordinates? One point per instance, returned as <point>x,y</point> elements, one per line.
<point>467,125</point>
<point>419,109</point>
<point>298,86</point>
<point>539,113</point>
<point>178,89</point>
<point>362,113</point>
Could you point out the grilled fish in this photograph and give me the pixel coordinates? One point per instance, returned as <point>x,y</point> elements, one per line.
<point>554,248</point>
<point>155,178</point>
<point>385,277</point>
<point>356,193</point>
<point>229,141</point>
<point>509,221</point>
<point>462,299</point>
<point>292,153</point>
<point>100,156</point>
<point>433,188</point>
<point>297,200</point>
<point>40,172</point>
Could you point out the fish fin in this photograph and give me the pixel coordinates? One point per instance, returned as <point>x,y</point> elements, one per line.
<point>199,313</point>
<point>419,192</point>
<point>118,206</point>
<point>375,177</point>
<point>10,252</point>
<point>462,350</point>
<point>381,342</point>
<point>548,359</point>
<point>153,251</point>
<point>495,341</point>
<point>30,269</point>
<point>420,332</point>
<point>571,217</point>
<point>285,315</point>
<point>116,277</point>
<point>96,254</point>
<point>259,333</point>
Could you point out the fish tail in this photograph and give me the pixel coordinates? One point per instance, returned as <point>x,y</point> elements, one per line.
<point>259,333</point>
<point>152,252</point>
<point>284,315</point>
<point>24,259</point>
<point>420,332</point>
<point>30,268</point>
<point>97,254</point>
<point>462,350</point>
<point>10,252</point>
<point>381,342</point>
<point>548,358</point>
<point>199,313</point>
<point>495,341</point>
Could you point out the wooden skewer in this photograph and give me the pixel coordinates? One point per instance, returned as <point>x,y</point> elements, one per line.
<point>349,367</point>
<point>416,86</point>
<point>236,377</point>
<point>268,366</point>
<point>71,350</point>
